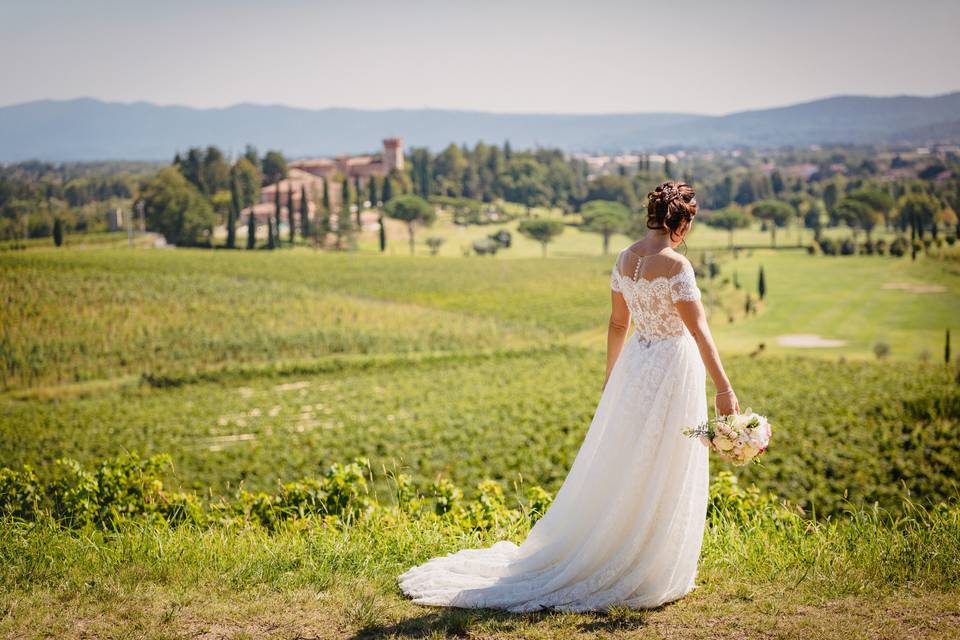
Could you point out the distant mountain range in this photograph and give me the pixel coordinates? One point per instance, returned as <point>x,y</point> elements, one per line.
<point>89,129</point>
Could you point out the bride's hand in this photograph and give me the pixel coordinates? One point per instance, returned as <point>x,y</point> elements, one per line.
<point>726,404</point>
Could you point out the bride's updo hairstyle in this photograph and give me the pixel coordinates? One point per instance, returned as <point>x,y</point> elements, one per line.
<point>671,206</point>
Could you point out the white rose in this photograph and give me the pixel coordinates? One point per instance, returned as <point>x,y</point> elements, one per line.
<point>722,443</point>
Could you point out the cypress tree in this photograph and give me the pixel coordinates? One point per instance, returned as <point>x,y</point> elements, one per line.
<point>276,217</point>
<point>325,205</point>
<point>291,213</point>
<point>251,230</point>
<point>326,196</point>
<point>383,238</point>
<point>372,191</point>
<point>358,191</point>
<point>58,233</point>
<point>344,203</point>
<point>761,285</point>
<point>233,213</point>
<point>304,213</point>
<point>387,190</point>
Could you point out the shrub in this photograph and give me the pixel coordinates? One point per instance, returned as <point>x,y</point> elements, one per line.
<point>447,496</point>
<point>729,500</point>
<point>20,493</point>
<point>485,247</point>
<point>503,238</point>
<point>899,247</point>
<point>128,488</point>
<point>828,247</point>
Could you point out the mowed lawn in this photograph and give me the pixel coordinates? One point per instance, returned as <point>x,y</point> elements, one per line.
<point>573,242</point>
<point>862,300</point>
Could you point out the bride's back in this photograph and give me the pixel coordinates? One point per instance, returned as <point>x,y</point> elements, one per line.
<point>651,285</point>
<point>636,261</point>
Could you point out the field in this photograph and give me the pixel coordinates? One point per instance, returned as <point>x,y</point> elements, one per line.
<point>252,369</point>
<point>576,243</point>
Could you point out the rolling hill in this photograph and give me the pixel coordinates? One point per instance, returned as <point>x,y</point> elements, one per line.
<point>89,129</point>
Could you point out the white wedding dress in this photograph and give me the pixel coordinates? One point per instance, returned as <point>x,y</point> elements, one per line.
<point>627,524</point>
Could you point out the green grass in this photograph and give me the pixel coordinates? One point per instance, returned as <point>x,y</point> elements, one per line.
<point>867,576</point>
<point>844,297</point>
<point>576,243</point>
<point>255,368</point>
<point>97,239</point>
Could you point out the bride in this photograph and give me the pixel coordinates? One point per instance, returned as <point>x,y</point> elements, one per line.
<point>626,526</point>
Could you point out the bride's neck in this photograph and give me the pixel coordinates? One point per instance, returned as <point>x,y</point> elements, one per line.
<point>657,241</point>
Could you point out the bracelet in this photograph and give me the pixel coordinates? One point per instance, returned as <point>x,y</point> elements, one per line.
<point>723,393</point>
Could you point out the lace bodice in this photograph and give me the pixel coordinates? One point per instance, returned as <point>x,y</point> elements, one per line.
<point>651,302</point>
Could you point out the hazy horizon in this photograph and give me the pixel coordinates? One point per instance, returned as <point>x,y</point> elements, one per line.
<point>542,57</point>
<point>467,110</point>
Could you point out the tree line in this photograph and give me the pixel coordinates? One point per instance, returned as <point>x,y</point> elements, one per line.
<point>859,189</point>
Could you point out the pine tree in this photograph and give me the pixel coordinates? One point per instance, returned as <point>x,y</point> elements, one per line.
<point>291,213</point>
<point>251,230</point>
<point>304,213</point>
<point>761,285</point>
<point>383,236</point>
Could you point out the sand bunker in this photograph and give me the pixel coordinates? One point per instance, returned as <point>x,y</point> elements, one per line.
<point>808,341</point>
<point>912,287</point>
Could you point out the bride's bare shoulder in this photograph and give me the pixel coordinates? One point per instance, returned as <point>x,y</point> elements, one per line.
<point>677,261</point>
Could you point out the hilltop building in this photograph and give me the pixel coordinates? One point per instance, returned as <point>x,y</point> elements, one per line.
<point>356,166</point>
<point>310,173</point>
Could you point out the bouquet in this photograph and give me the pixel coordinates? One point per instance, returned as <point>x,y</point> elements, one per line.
<point>736,438</point>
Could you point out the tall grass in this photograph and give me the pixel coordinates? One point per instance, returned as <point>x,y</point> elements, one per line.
<point>866,552</point>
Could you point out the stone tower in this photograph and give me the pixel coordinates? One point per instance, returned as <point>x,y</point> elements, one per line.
<point>393,154</point>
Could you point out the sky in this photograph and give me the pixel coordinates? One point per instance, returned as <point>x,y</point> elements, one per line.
<point>596,56</point>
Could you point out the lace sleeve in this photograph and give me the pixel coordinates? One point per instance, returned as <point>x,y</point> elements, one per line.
<point>683,286</point>
<point>615,279</point>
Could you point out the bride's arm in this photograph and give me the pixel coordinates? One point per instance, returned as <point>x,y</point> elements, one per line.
<point>692,314</point>
<point>616,330</point>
